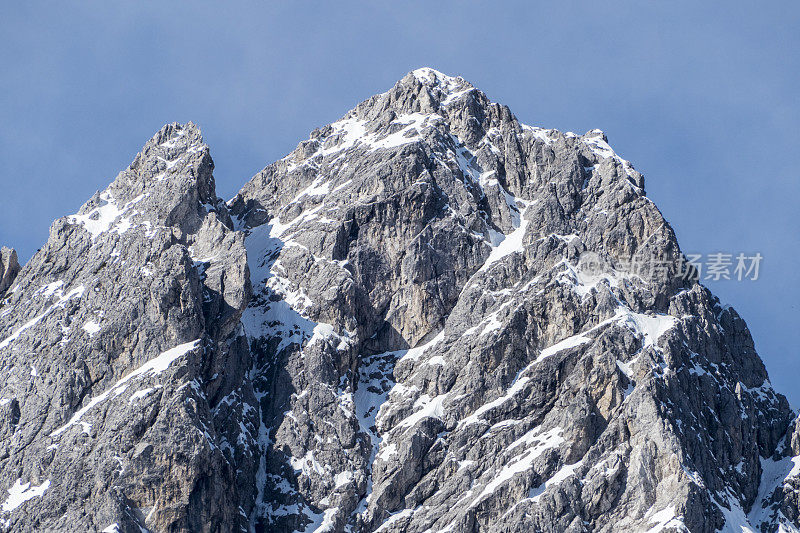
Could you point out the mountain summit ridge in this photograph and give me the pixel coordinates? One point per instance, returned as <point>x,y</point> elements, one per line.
<point>424,318</point>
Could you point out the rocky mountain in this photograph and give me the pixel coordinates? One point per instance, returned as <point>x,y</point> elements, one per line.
<point>428,317</point>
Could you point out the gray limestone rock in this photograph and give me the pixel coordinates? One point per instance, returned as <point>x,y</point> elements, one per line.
<point>428,317</point>
<point>9,268</point>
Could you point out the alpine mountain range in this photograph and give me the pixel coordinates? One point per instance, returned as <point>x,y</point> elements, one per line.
<point>394,329</point>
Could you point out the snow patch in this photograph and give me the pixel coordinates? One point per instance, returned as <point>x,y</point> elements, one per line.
<point>651,327</point>
<point>99,219</point>
<point>21,492</point>
<point>415,353</point>
<point>91,327</point>
<point>402,515</point>
<point>512,243</point>
<point>774,474</point>
<point>141,394</point>
<point>428,408</point>
<point>663,519</point>
<point>563,473</point>
<point>566,344</point>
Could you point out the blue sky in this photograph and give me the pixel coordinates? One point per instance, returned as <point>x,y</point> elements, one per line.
<point>700,96</point>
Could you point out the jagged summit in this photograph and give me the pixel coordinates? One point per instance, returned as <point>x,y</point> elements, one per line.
<point>169,182</point>
<point>450,116</point>
<point>426,103</point>
<point>452,86</point>
<point>428,317</point>
<point>431,76</point>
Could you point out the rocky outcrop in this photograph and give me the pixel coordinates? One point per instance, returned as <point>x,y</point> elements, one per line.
<point>118,346</point>
<point>428,317</point>
<point>9,268</point>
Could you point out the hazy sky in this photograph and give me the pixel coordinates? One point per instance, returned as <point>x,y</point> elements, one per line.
<point>702,97</point>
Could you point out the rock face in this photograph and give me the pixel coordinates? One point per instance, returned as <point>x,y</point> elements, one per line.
<point>428,317</point>
<point>121,337</point>
<point>9,268</point>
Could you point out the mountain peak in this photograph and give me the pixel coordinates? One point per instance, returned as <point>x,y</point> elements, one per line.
<point>429,317</point>
<point>443,88</point>
<point>432,77</point>
<point>164,185</point>
<point>174,130</point>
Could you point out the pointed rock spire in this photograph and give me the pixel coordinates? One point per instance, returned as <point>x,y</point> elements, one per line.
<point>9,268</point>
